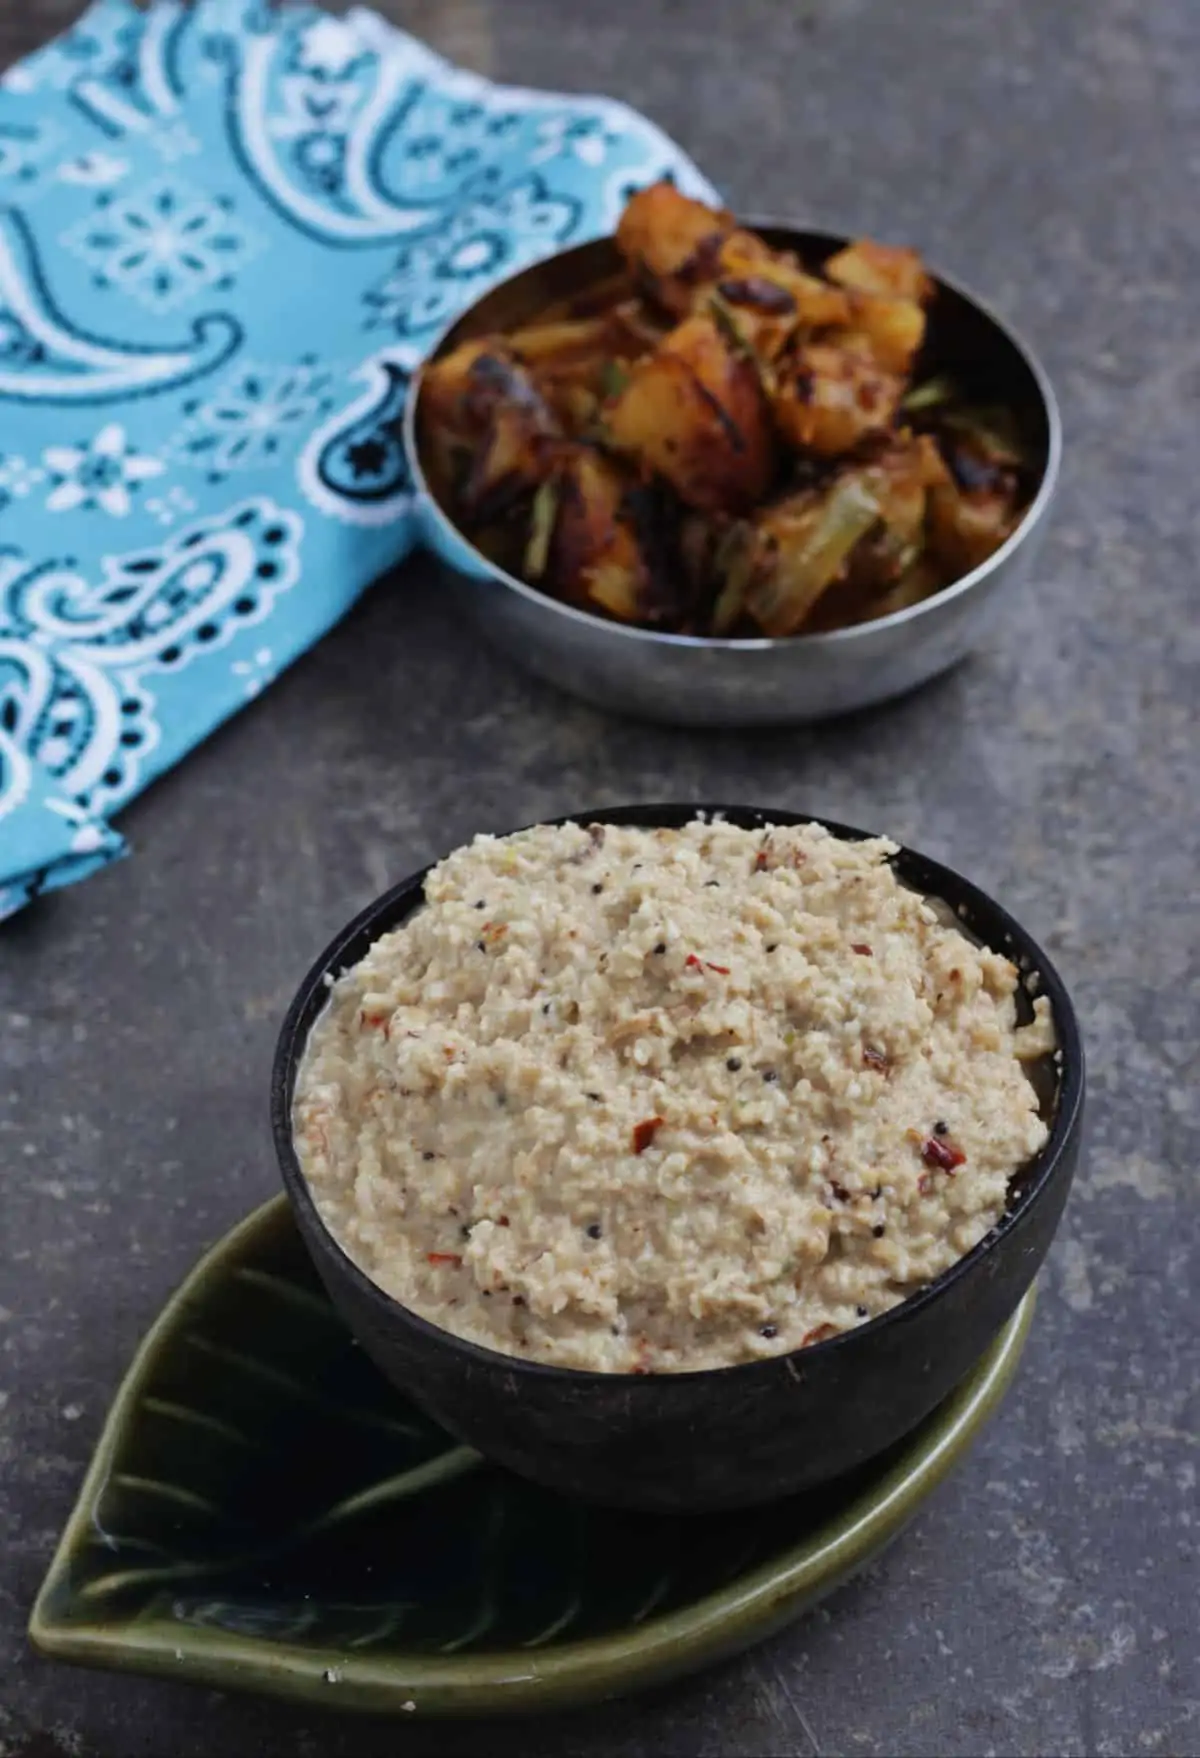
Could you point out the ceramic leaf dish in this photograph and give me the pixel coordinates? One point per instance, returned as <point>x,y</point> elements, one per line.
<point>264,1512</point>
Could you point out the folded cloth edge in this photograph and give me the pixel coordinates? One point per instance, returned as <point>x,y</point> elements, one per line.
<point>56,841</point>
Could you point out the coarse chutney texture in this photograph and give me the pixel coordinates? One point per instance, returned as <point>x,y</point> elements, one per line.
<point>645,1101</point>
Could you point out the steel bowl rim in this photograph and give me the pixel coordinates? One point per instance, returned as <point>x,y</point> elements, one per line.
<point>1040,1169</point>
<point>429,507</point>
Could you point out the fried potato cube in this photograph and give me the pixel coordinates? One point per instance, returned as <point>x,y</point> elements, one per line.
<point>833,395</point>
<point>772,274</point>
<point>694,411</point>
<point>671,243</point>
<point>900,478</point>
<point>767,302</point>
<point>485,427</point>
<point>978,502</point>
<point>887,269</point>
<point>888,288</point>
<point>590,541</point>
<point>894,329</point>
<point>967,526</point>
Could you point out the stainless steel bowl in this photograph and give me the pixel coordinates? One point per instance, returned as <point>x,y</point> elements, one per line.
<point>698,681</point>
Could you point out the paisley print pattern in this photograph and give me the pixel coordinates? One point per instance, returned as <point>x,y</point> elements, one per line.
<point>355,467</point>
<point>228,233</point>
<point>45,358</point>
<point>82,659</point>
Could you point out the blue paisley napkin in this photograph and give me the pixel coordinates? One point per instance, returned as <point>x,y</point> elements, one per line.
<point>227,235</point>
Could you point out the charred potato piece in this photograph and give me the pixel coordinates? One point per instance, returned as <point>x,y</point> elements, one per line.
<point>592,557</point>
<point>673,244</point>
<point>978,503</point>
<point>886,269</point>
<point>888,289</point>
<point>763,279</point>
<point>893,328</point>
<point>486,427</point>
<point>771,298</point>
<point>900,478</point>
<point>966,526</point>
<point>757,314</point>
<point>694,411</point>
<point>766,298</point>
<point>462,390</point>
<point>450,419</point>
<point>601,540</point>
<point>577,363</point>
<point>513,458</point>
<point>833,394</point>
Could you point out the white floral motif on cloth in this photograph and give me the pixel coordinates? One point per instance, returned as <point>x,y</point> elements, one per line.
<point>104,473</point>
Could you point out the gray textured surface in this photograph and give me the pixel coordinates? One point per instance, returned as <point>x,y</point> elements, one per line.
<point>1045,1601</point>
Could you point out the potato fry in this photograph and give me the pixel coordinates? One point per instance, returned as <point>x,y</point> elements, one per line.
<point>894,328</point>
<point>671,242</point>
<point>694,411</point>
<point>487,426</point>
<point>762,280</point>
<point>721,439</point>
<point>834,396</point>
<point>891,270</point>
<point>585,535</point>
<point>967,526</point>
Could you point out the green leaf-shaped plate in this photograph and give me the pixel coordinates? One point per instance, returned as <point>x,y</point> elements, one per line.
<point>264,1511</point>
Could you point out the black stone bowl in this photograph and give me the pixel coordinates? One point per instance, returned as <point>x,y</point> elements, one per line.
<point>725,1437</point>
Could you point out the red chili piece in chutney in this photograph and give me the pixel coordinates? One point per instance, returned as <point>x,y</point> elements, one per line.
<point>695,964</point>
<point>645,1132</point>
<point>942,1154</point>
